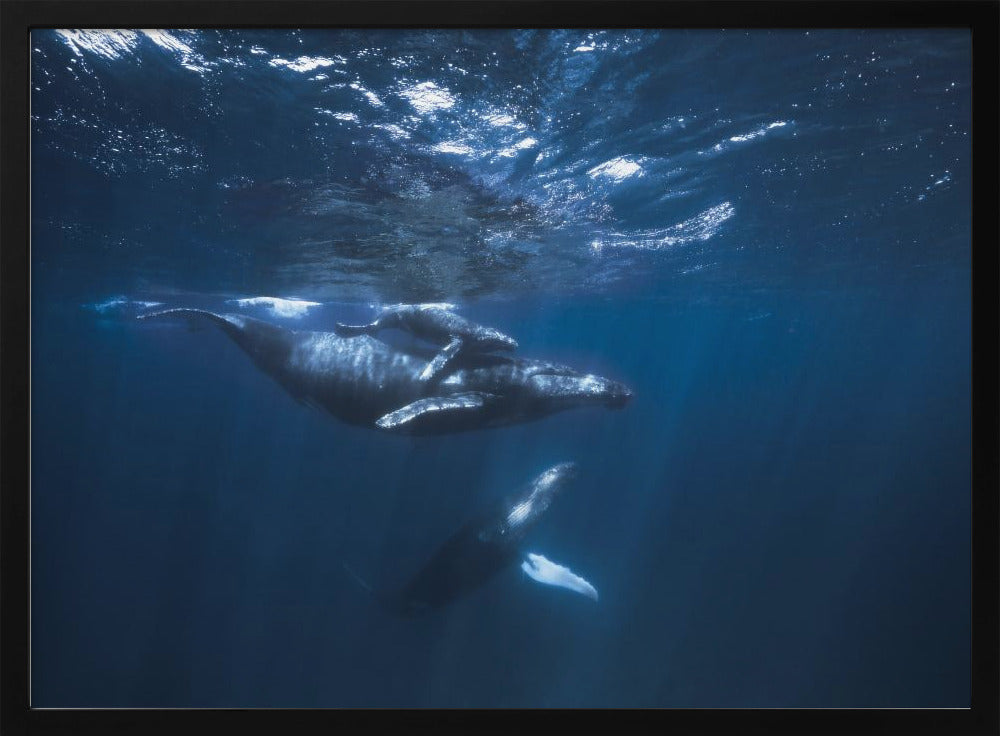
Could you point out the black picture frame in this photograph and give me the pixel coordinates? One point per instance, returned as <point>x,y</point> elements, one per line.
<point>19,17</point>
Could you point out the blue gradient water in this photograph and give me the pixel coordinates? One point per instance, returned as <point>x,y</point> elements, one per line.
<point>765,234</point>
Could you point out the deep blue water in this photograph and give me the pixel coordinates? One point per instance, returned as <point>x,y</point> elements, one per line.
<point>766,235</point>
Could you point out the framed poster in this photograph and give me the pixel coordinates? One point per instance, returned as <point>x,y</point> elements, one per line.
<point>502,368</point>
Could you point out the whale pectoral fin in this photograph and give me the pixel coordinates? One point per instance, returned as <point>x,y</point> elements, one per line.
<point>354,330</point>
<point>412,415</point>
<point>543,570</point>
<point>442,359</point>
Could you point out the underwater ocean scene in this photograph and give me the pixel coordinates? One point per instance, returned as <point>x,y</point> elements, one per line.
<point>507,368</point>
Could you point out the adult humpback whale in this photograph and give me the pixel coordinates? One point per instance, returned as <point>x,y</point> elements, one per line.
<point>364,381</point>
<point>483,547</point>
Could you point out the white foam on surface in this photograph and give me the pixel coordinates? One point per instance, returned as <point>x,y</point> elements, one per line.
<point>121,302</point>
<point>452,147</point>
<point>699,228</point>
<point>291,308</point>
<point>746,137</point>
<point>347,117</point>
<point>306,63</point>
<point>617,169</point>
<point>394,131</point>
<point>545,571</point>
<point>422,305</point>
<point>373,99</point>
<point>427,97</point>
<point>168,41</point>
<point>502,119</point>
<point>111,44</point>
<point>114,44</point>
<point>511,151</point>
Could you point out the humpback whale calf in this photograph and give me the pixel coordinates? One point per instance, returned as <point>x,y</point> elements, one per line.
<point>364,381</point>
<point>435,323</point>
<point>484,546</point>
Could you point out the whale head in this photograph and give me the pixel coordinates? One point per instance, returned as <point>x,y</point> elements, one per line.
<point>529,506</point>
<point>555,478</point>
<point>558,388</point>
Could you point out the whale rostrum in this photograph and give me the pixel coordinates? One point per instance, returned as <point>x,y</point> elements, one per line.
<point>364,381</point>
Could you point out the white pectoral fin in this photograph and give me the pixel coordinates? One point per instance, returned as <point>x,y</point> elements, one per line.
<point>545,571</point>
<point>441,360</point>
<point>434,406</point>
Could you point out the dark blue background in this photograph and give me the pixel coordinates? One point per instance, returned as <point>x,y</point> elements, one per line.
<point>779,518</point>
